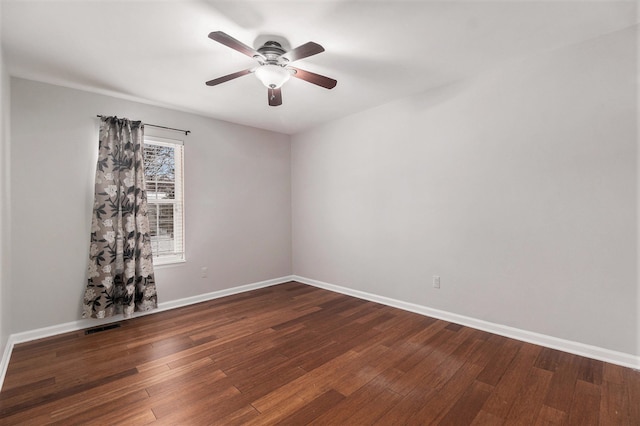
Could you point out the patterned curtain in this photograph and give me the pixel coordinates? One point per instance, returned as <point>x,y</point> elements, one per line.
<point>120,272</point>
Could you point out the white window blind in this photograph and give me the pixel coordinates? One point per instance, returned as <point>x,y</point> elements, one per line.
<point>163,166</point>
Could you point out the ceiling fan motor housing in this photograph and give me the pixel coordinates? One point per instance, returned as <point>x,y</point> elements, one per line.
<point>272,50</point>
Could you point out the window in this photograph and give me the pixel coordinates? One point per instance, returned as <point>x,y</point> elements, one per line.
<point>163,175</point>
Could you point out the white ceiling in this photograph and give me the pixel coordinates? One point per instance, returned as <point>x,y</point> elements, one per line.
<point>158,51</point>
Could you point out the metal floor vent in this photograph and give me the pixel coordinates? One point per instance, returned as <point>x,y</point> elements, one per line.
<point>103,328</point>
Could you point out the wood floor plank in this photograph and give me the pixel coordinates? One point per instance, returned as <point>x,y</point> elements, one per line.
<point>310,385</point>
<point>563,383</point>
<point>295,354</point>
<point>322,404</point>
<point>403,413</point>
<point>243,416</point>
<point>201,408</point>
<point>548,416</point>
<point>486,419</point>
<point>467,407</point>
<point>421,344</point>
<point>530,398</point>
<point>502,398</point>
<point>17,394</point>
<point>591,371</point>
<point>130,403</point>
<point>378,405</point>
<point>548,359</point>
<point>633,392</point>
<point>614,403</point>
<point>9,411</point>
<point>96,396</point>
<point>493,371</point>
<point>438,368</point>
<point>205,376</point>
<point>585,407</point>
<point>441,401</point>
<point>404,327</point>
<point>351,409</point>
<point>613,373</point>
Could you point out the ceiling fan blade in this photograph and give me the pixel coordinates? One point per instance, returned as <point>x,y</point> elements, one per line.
<point>231,42</point>
<point>275,97</point>
<point>228,77</point>
<point>317,79</point>
<point>303,51</point>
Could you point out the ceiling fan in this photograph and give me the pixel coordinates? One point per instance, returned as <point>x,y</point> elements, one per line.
<point>273,69</point>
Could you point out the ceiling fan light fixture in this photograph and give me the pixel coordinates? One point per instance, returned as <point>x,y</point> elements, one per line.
<point>272,76</point>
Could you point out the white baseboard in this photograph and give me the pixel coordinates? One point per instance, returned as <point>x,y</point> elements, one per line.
<point>40,333</point>
<point>6,356</point>
<point>577,348</point>
<point>221,293</point>
<point>602,354</point>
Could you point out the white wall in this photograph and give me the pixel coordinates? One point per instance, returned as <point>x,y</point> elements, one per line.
<point>518,189</point>
<point>237,201</point>
<point>5,227</point>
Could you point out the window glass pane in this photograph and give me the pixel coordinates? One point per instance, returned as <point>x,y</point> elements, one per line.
<point>152,189</point>
<point>165,191</point>
<point>159,163</point>
<point>164,237</point>
<point>165,220</point>
<point>162,234</point>
<point>163,177</point>
<point>153,219</point>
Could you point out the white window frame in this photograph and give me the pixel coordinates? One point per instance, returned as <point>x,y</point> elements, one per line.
<point>178,201</point>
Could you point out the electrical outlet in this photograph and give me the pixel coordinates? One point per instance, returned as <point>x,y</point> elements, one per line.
<point>203,272</point>
<point>436,281</point>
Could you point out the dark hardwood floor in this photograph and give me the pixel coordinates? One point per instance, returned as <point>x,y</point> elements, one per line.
<point>293,354</point>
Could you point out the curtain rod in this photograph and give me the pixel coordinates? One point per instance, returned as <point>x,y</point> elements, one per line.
<point>186,132</point>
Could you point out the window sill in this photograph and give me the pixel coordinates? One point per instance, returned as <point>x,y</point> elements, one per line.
<point>163,263</point>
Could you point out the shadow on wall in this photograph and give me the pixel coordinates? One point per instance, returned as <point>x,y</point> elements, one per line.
<point>65,76</point>
<point>439,95</point>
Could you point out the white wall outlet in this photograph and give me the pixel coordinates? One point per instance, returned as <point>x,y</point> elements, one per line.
<point>203,271</point>
<point>436,281</point>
